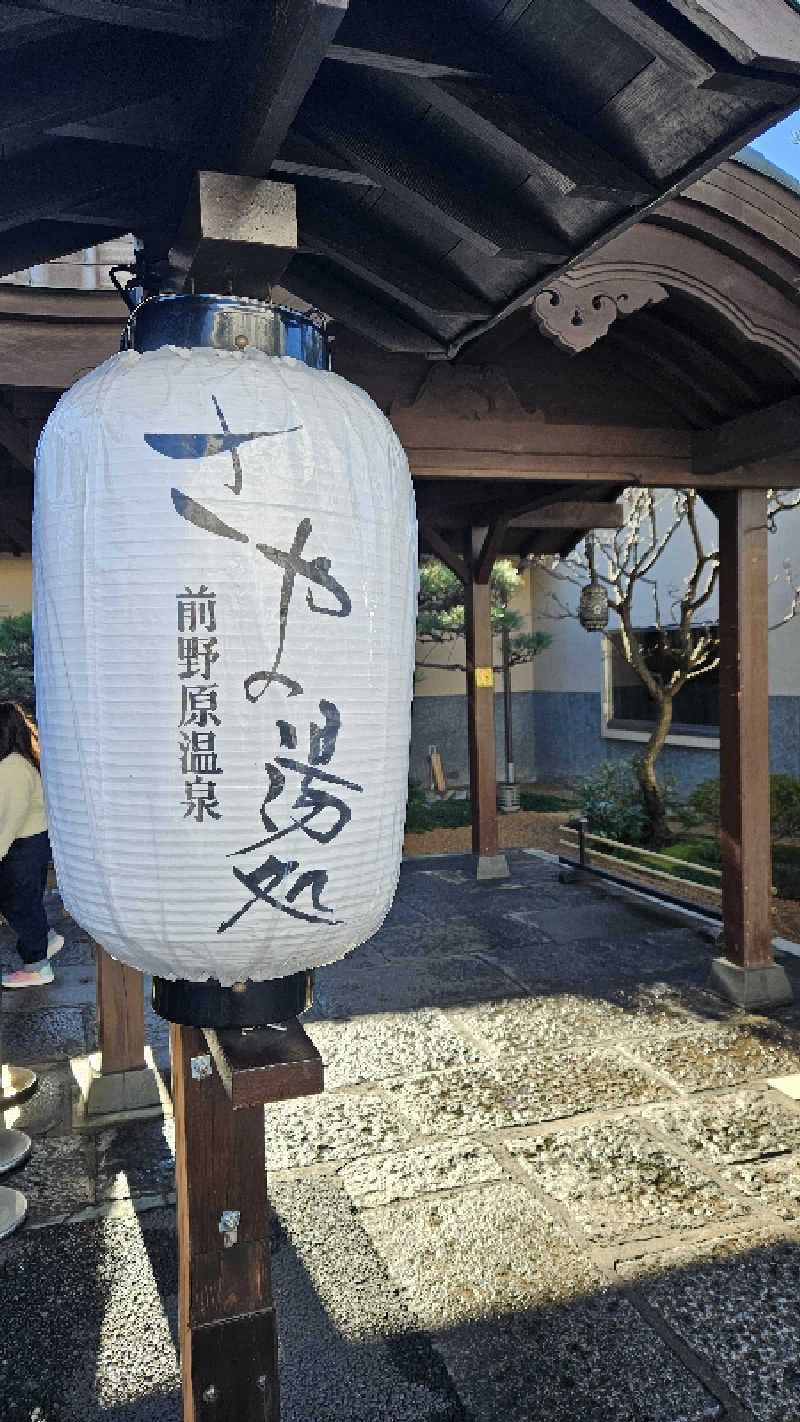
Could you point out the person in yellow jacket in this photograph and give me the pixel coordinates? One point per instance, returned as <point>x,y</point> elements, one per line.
<point>24,850</point>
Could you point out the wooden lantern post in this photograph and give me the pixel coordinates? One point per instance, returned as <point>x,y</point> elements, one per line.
<point>474,569</point>
<point>226,1313</point>
<point>748,973</point>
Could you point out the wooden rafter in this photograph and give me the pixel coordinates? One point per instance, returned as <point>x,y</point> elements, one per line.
<point>427,186</point>
<point>270,80</point>
<point>202,19</point>
<point>520,128</point>
<point>351,243</point>
<point>764,434</point>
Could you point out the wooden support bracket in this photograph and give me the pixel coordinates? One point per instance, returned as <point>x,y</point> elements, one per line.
<point>265,1064</point>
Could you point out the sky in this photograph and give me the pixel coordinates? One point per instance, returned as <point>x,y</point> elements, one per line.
<point>778,146</point>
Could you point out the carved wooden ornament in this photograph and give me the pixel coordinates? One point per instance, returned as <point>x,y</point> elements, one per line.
<point>576,316</point>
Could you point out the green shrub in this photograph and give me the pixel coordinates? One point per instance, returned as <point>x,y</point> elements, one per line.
<point>702,804</point>
<point>784,804</point>
<point>442,814</point>
<point>16,660</point>
<point>530,800</point>
<point>612,801</point>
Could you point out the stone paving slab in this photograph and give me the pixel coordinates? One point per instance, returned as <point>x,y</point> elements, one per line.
<point>617,1182</point>
<point>722,1055</point>
<point>348,1348</point>
<point>538,1183</point>
<point>57,1179</point>
<point>438,1165</point>
<point>137,1158</point>
<point>564,1083</point>
<point>351,989</point>
<point>752,1136</point>
<point>545,1364</point>
<point>734,1302</point>
<point>75,1299</point>
<point>332,1127</point>
<point>382,1045</point>
<point>32,1036</point>
<point>477,1253</point>
<point>543,1022</point>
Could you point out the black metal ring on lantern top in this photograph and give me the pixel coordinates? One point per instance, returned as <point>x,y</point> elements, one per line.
<point>246,1004</point>
<point>226,323</point>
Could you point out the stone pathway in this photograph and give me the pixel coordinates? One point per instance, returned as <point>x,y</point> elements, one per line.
<point>548,1178</point>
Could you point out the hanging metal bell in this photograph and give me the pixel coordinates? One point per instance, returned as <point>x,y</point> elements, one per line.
<point>593,607</point>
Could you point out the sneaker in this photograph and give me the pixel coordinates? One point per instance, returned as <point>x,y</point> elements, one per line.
<point>34,975</point>
<point>55,943</point>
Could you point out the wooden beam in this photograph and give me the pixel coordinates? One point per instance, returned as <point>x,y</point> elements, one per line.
<point>35,242</point>
<point>383,262</point>
<point>572,514</point>
<point>445,552</point>
<point>558,157</point>
<point>156,123</point>
<point>413,38</point>
<point>302,158</point>
<point>311,279</point>
<point>766,35</point>
<point>201,19</point>
<point>659,39</point>
<point>68,173</point>
<point>269,82</point>
<point>69,79</point>
<point>774,430</point>
<point>428,186</point>
<point>17,438</point>
<point>21,26</point>
<point>490,550</point>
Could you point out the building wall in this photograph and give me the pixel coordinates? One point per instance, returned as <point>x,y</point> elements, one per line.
<point>15,585</point>
<point>558,701</point>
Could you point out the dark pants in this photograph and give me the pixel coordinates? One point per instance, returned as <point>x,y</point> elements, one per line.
<point>23,879</point>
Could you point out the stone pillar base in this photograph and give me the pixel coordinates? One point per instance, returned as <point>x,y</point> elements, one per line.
<point>492,866</point>
<point>116,1095</point>
<point>764,986</point>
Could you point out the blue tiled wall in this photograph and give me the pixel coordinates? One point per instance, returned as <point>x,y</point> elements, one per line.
<point>557,738</point>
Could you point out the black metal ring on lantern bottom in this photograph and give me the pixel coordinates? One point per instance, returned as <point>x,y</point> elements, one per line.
<point>246,1004</point>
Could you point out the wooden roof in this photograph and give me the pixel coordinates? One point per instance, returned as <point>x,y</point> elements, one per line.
<point>449,158</point>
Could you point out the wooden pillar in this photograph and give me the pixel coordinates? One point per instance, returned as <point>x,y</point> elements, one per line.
<point>480,716</point>
<point>748,973</point>
<point>120,1015</point>
<point>226,1313</point>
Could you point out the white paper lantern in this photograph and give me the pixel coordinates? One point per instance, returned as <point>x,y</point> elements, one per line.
<point>224,603</point>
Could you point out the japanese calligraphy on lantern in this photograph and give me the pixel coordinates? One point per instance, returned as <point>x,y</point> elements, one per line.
<point>287,885</point>
<point>197,652</point>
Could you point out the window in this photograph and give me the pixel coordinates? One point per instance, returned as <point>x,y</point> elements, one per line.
<point>695,709</point>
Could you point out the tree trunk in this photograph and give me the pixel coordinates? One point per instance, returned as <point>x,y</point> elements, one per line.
<point>652,794</point>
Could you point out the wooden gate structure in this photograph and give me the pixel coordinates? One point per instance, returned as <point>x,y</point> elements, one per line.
<point>540,261</point>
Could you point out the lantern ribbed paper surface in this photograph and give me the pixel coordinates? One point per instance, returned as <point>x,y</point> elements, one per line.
<point>224,605</point>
